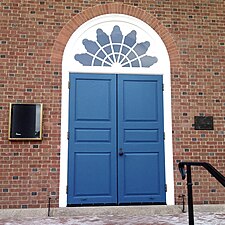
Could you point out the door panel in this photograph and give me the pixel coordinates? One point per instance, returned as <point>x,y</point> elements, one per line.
<point>93,99</point>
<point>141,175</point>
<point>138,98</point>
<point>95,168</point>
<point>137,165</point>
<point>92,176</point>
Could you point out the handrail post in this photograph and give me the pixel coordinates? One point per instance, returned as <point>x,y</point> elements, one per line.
<point>190,196</point>
<point>49,206</point>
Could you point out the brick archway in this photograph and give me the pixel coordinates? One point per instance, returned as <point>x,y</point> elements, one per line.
<point>76,21</point>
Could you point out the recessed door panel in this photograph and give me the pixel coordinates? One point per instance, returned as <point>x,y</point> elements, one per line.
<point>92,99</point>
<point>141,175</point>
<point>89,168</point>
<point>138,100</point>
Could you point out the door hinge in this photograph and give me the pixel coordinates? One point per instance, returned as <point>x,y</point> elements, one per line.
<point>66,189</point>
<point>164,135</point>
<point>68,135</point>
<point>162,87</point>
<point>68,84</point>
<point>165,187</point>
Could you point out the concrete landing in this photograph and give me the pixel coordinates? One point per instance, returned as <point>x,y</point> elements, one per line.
<point>109,215</point>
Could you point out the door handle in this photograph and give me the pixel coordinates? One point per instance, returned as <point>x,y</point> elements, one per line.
<point>121,152</point>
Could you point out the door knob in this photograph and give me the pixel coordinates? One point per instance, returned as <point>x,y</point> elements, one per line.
<point>121,152</point>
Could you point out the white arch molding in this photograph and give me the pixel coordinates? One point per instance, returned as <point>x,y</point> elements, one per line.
<point>69,64</point>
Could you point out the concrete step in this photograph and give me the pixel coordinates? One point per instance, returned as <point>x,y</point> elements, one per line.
<point>142,210</point>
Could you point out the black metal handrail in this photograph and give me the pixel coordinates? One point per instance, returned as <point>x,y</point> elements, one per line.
<point>214,172</point>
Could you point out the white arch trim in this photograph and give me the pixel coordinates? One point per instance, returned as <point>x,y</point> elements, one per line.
<point>157,48</point>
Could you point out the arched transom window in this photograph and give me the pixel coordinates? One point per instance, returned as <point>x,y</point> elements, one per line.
<point>116,49</point>
<point>117,43</point>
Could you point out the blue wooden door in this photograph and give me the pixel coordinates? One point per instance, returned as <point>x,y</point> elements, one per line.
<point>116,146</point>
<point>92,163</point>
<point>141,172</point>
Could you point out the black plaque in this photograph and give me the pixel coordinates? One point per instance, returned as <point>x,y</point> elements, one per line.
<point>203,123</point>
<point>25,121</point>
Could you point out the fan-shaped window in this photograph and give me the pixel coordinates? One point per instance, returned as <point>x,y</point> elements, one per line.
<point>116,50</point>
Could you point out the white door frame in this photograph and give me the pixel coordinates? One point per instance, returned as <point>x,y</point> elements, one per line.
<point>74,46</point>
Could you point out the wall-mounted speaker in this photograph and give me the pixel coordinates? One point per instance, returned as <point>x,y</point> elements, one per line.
<point>25,121</point>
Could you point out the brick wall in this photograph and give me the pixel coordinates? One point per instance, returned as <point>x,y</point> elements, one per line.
<point>31,72</point>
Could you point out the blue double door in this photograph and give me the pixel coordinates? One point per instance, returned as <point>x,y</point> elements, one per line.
<point>116,144</point>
